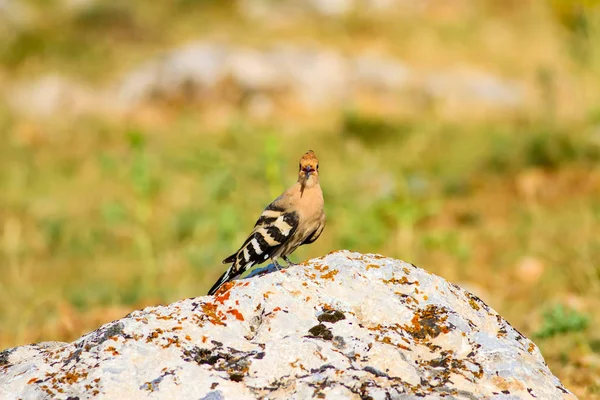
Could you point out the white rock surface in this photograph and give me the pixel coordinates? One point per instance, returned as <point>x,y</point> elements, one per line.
<point>345,326</point>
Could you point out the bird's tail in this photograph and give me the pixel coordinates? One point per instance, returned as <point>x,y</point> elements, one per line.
<point>230,274</point>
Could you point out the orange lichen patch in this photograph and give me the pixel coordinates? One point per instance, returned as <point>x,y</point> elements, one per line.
<point>330,274</point>
<point>531,347</point>
<point>425,297</point>
<point>403,281</point>
<point>388,340</point>
<point>277,309</point>
<point>427,323</point>
<point>32,380</point>
<point>153,335</point>
<point>72,377</point>
<point>507,384</point>
<point>267,294</point>
<point>307,298</point>
<point>221,298</point>
<point>226,286</point>
<point>297,364</point>
<point>304,284</point>
<point>406,270</point>
<point>372,266</point>
<point>204,338</point>
<point>238,315</point>
<point>213,314</point>
<point>320,268</point>
<point>171,341</point>
<point>113,350</point>
<point>188,337</point>
<point>177,328</point>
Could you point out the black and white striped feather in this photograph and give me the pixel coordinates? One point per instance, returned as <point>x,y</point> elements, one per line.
<point>274,227</point>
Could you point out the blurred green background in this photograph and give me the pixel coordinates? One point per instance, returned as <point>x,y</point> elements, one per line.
<point>141,140</point>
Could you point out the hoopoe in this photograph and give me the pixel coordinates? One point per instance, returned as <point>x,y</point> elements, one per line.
<point>293,219</point>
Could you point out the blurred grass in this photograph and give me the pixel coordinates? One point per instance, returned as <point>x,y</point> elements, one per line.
<point>98,217</point>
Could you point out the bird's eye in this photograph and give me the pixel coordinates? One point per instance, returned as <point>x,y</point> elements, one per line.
<point>317,167</point>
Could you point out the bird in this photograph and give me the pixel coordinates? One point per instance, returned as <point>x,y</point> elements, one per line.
<point>295,218</point>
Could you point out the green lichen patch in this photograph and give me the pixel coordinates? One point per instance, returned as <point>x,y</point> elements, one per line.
<point>320,331</point>
<point>234,362</point>
<point>332,316</point>
<point>4,356</point>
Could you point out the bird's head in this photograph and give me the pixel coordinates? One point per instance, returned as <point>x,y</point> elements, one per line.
<point>308,174</point>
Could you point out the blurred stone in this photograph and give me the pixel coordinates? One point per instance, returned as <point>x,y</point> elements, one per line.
<point>332,8</point>
<point>393,331</point>
<point>253,70</point>
<point>193,68</point>
<point>529,270</point>
<point>78,5</point>
<point>53,94</point>
<point>311,77</point>
<point>380,73</point>
<point>268,10</point>
<point>474,86</point>
<point>317,77</point>
<point>16,13</point>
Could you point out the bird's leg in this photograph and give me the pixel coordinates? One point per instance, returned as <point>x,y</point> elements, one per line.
<point>290,263</point>
<point>276,264</point>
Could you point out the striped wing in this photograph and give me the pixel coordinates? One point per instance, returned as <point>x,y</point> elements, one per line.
<point>273,229</point>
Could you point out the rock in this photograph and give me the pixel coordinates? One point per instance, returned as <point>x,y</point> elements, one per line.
<point>308,76</point>
<point>344,326</point>
<point>194,67</point>
<point>332,8</point>
<point>15,14</point>
<point>317,77</point>
<point>54,94</point>
<point>473,86</point>
<point>268,10</point>
<point>380,73</point>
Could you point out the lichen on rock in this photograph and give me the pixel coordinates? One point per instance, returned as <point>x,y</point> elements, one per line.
<point>344,326</point>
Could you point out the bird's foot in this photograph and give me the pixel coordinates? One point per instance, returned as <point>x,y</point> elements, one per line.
<point>276,264</point>
<point>289,262</point>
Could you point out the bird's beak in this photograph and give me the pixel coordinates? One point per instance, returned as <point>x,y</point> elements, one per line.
<point>308,170</point>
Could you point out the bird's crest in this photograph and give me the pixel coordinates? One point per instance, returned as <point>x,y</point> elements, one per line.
<point>309,159</point>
